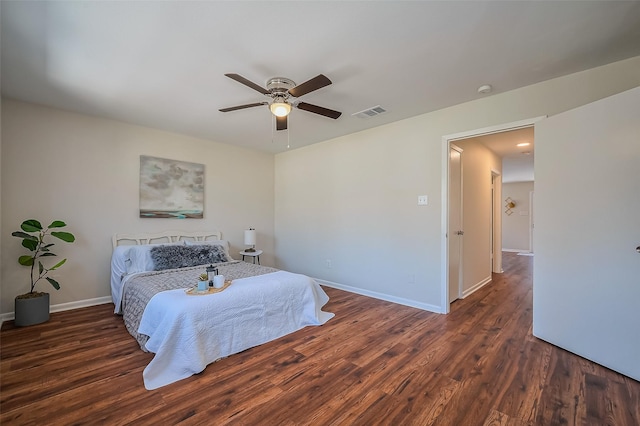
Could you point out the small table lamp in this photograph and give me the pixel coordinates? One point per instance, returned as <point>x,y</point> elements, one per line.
<point>250,239</point>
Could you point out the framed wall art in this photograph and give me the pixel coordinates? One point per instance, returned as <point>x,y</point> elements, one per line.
<point>171,188</point>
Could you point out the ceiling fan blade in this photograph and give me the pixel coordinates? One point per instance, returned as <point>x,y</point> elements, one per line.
<point>243,106</point>
<point>241,79</point>
<point>281,123</point>
<point>315,83</point>
<point>319,110</point>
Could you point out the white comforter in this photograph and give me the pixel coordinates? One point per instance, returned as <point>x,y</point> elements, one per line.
<point>187,332</point>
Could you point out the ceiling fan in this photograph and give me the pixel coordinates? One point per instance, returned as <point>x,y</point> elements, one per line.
<point>280,90</point>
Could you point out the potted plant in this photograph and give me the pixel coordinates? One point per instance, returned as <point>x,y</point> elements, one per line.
<point>33,307</point>
<point>203,281</point>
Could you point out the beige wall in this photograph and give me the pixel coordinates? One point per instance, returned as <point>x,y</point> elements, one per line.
<point>85,171</point>
<point>515,227</point>
<point>353,199</point>
<point>350,200</point>
<point>477,164</point>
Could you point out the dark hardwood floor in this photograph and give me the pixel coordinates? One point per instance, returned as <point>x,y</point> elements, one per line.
<point>375,363</point>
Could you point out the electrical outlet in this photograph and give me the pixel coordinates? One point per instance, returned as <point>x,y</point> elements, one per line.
<point>328,264</point>
<point>423,200</point>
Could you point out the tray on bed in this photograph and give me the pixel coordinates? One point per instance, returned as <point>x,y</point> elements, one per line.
<point>193,291</point>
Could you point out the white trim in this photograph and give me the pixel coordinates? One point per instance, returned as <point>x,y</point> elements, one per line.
<point>382,296</point>
<point>476,287</point>
<point>446,139</point>
<point>444,246</point>
<point>494,129</point>
<point>66,306</point>
<point>514,250</point>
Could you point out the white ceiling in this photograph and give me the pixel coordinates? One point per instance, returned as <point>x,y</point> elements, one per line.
<point>162,64</point>
<point>517,161</point>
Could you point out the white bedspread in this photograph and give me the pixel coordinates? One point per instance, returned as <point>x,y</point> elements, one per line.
<point>189,332</point>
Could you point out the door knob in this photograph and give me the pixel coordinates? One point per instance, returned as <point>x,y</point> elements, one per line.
<point>638,249</point>
<point>462,233</point>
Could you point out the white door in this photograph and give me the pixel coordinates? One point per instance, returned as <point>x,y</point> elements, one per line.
<point>496,223</point>
<point>586,288</point>
<point>455,222</point>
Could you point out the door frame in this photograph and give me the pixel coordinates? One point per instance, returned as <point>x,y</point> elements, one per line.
<point>532,222</point>
<point>444,246</point>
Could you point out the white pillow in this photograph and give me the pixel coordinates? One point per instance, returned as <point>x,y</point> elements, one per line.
<point>139,257</point>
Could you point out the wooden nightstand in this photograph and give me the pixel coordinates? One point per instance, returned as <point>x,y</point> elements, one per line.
<point>254,254</point>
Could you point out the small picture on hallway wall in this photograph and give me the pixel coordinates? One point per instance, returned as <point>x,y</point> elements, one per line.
<point>171,189</point>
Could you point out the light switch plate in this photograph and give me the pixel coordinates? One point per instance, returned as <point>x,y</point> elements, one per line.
<point>423,200</point>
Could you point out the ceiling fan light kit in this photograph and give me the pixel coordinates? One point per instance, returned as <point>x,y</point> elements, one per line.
<point>280,89</point>
<point>280,109</point>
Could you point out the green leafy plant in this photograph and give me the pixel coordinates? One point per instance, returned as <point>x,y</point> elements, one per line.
<point>34,238</point>
<point>204,277</point>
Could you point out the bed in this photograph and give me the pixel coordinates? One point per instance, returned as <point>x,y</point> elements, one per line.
<point>152,280</point>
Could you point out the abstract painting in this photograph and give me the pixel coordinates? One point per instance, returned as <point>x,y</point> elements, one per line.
<point>171,189</point>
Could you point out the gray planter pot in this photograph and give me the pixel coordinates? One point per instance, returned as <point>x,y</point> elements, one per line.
<point>32,311</point>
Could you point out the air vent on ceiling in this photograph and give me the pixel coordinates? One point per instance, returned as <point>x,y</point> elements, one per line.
<point>370,112</point>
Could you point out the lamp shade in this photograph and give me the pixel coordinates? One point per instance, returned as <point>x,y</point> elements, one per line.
<point>249,237</point>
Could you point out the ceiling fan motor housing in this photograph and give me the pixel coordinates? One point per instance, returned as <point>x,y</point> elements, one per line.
<point>279,86</point>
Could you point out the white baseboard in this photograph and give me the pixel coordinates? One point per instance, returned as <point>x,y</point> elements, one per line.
<point>476,287</point>
<point>382,296</point>
<point>514,250</point>
<point>65,306</point>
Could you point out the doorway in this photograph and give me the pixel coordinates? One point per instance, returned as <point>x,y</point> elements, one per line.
<point>449,240</point>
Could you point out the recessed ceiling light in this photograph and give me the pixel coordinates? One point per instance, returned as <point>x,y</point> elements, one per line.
<point>524,144</point>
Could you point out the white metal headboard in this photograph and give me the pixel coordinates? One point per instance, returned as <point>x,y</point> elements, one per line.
<point>164,237</point>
